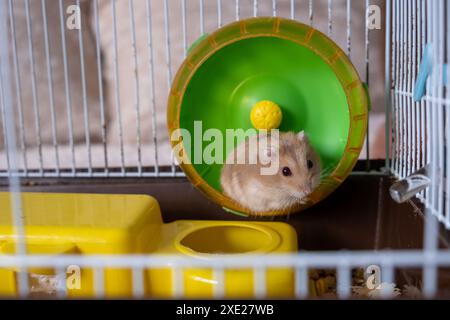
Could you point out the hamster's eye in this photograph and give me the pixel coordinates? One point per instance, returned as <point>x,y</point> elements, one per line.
<point>310,164</point>
<point>287,172</point>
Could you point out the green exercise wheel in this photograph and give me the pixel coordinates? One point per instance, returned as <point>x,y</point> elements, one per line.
<point>296,67</point>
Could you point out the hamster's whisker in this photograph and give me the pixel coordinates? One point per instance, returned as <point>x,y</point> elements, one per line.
<point>326,171</point>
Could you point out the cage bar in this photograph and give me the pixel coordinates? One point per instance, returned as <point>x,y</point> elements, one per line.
<point>219,13</point>
<point>169,57</point>
<point>387,279</point>
<point>184,27</point>
<point>85,104</point>
<point>292,11</point>
<point>62,283</point>
<point>343,280</point>
<point>301,282</point>
<point>447,126</point>
<point>136,85</point>
<point>50,85</point>
<point>343,261</point>
<point>366,67</point>
<point>138,282</point>
<point>18,84</point>
<point>67,89</point>
<point>219,282</point>
<point>408,109</point>
<point>330,17</point>
<point>178,282</point>
<point>36,108</point>
<point>99,282</point>
<point>100,86</point>
<point>151,55</point>
<point>407,258</point>
<point>349,27</point>
<point>259,281</point>
<point>117,87</point>
<point>202,17</point>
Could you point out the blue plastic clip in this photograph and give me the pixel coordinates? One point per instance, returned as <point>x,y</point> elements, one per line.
<point>424,71</point>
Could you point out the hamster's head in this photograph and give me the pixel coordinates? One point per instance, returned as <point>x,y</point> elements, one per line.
<point>299,168</point>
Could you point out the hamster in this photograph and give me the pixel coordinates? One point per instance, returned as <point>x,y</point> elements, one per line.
<point>297,174</point>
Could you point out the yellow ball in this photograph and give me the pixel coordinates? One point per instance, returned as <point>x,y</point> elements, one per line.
<point>266,115</point>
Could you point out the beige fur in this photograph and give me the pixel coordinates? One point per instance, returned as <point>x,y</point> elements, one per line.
<point>244,182</point>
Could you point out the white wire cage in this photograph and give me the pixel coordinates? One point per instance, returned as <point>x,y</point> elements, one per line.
<point>421,125</point>
<point>154,38</point>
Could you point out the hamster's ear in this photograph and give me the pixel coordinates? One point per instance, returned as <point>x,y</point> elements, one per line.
<point>302,136</point>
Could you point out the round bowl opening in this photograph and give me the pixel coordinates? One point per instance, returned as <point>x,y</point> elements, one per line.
<point>227,240</point>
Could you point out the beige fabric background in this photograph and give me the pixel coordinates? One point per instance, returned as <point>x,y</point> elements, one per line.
<point>57,71</point>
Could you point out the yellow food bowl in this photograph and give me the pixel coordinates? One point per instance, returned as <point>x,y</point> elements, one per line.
<point>88,224</point>
<point>208,239</point>
<point>266,115</point>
